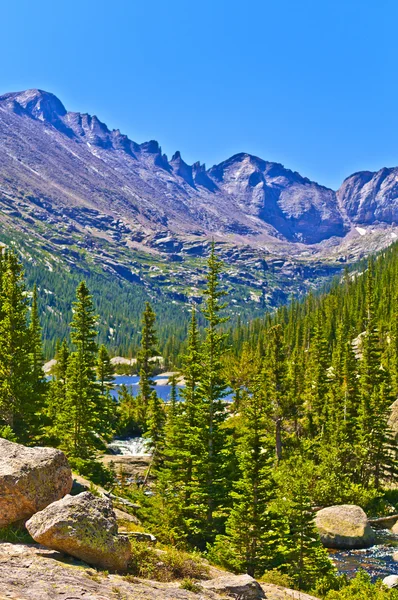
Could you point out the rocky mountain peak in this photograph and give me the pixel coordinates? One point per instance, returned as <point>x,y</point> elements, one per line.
<point>37,103</point>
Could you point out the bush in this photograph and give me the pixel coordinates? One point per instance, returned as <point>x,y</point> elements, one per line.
<point>361,588</point>
<point>275,577</point>
<point>7,433</point>
<point>164,565</point>
<point>94,471</point>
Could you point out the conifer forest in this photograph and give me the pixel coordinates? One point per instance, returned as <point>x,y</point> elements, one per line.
<point>277,416</point>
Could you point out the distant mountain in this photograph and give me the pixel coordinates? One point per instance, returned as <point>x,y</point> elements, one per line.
<point>74,193</point>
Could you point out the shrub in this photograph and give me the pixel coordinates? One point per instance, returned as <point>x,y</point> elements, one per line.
<point>164,565</point>
<point>277,578</point>
<point>94,471</point>
<point>360,588</point>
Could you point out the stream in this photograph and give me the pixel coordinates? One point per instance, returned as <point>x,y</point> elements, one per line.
<point>377,560</point>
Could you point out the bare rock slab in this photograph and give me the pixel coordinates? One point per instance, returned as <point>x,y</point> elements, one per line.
<point>30,480</point>
<point>344,526</point>
<point>243,587</point>
<point>85,527</point>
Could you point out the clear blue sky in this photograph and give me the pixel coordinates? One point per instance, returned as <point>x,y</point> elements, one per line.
<point>309,83</point>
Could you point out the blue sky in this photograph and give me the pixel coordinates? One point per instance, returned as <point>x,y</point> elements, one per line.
<point>309,83</point>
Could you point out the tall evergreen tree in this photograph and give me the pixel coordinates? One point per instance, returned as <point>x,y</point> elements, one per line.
<point>19,404</point>
<point>253,532</point>
<point>81,416</point>
<point>213,389</point>
<point>147,351</point>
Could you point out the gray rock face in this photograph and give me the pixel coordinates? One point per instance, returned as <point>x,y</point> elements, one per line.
<point>243,587</point>
<point>30,480</point>
<point>344,526</point>
<point>85,527</point>
<point>296,207</point>
<point>371,198</point>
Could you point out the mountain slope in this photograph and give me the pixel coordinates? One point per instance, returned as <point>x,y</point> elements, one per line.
<point>77,197</point>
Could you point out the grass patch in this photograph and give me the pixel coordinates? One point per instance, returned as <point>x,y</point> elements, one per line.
<point>163,565</point>
<point>190,585</point>
<point>15,534</point>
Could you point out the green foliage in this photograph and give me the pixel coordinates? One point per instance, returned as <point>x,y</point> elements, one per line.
<point>7,433</point>
<point>93,470</point>
<point>147,351</point>
<point>190,585</point>
<point>169,565</point>
<point>360,588</point>
<point>15,534</point>
<point>22,385</point>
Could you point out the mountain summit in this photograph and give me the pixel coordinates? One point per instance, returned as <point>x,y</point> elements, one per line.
<point>69,161</point>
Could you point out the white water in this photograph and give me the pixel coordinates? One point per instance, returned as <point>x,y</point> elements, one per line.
<point>134,446</point>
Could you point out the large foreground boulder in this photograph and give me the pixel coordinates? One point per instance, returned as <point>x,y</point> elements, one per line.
<point>242,587</point>
<point>344,526</point>
<point>30,480</point>
<point>85,527</point>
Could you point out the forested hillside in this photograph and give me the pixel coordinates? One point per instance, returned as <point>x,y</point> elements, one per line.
<point>308,425</point>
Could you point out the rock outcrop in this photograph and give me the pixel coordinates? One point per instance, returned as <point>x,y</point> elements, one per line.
<point>35,573</point>
<point>85,527</point>
<point>30,480</point>
<point>344,526</point>
<point>242,587</point>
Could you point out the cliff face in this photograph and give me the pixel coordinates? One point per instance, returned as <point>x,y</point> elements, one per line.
<point>371,198</point>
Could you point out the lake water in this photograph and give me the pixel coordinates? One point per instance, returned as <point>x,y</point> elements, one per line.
<point>163,389</point>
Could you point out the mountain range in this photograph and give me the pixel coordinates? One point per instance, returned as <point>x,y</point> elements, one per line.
<point>74,192</point>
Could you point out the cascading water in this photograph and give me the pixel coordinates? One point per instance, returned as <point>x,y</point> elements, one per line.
<point>135,446</point>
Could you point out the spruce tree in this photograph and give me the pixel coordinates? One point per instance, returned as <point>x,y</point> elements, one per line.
<point>253,531</point>
<point>106,404</point>
<point>213,389</point>
<point>306,561</point>
<point>81,416</point>
<point>35,341</point>
<point>181,478</point>
<point>147,351</point>
<point>156,419</point>
<point>19,405</point>
<point>277,385</point>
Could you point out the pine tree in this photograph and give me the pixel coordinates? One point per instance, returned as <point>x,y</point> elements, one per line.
<point>147,351</point>
<point>253,531</point>
<point>306,561</point>
<point>213,389</point>
<point>18,403</point>
<point>81,416</point>
<point>181,478</point>
<point>156,419</point>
